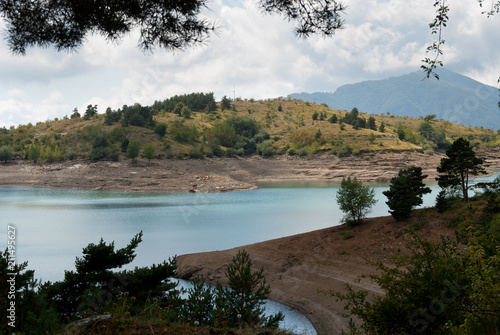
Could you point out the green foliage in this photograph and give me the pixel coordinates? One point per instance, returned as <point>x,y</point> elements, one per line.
<point>315,116</point>
<point>125,144</point>
<point>160,129</point>
<point>112,116</point>
<point>223,133</point>
<point>333,118</point>
<point>302,137</point>
<point>197,102</point>
<point>371,123</point>
<point>94,286</point>
<point>439,289</point>
<point>137,115</point>
<point>34,152</point>
<point>355,200</point>
<point>149,151</point>
<point>372,138</point>
<point>381,128</point>
<point>405,192</point>
<point>196,153</point>
<point>435,136</point>
<point>52,153</point>
<point>429,117</point>
<point>90,112</point>
<point>178,108</point>
<point>460,164</point>
<point>75,114</point>
<point>266,148</point>
<point>225,103</point>
<point>6,153</point>
<point>340,148</point>
<point>244,126</point>
<point>133,149</point>
<point>235,306</point>
<point>186,112</point>
<point>346,235</point>
<point>354,119</point>
<point>184,133</point>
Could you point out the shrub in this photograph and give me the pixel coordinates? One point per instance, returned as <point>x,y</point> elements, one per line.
<point>196,153</point>
<point>346,235</point>
<point>6,153</point>
<point>183,133</point>
<point>266,148</point>
<point>160,129</point>
<point>133,149</point>
<point>237,306</point>
<point>302,137</point>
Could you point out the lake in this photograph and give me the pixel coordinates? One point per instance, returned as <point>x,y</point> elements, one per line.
<point>53,225</point>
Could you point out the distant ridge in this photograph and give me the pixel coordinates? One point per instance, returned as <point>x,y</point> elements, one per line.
<point>453,97</point>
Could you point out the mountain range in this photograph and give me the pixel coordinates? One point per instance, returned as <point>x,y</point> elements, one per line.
<point>453,97</point>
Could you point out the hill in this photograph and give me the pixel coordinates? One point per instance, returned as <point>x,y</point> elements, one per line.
<point>230,128</point>
<point>456,98</point>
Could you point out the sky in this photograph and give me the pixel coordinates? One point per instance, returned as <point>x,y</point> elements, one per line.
<point>254,55</point>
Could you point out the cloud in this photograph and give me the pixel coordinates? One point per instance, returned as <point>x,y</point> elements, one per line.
<point>256,55</point>
<point>17,110</point>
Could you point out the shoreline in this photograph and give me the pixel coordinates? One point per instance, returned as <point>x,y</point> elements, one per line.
<point>211,175</point>
<point>297,266</point>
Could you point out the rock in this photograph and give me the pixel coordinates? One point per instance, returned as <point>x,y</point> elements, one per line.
<point>88,323</point>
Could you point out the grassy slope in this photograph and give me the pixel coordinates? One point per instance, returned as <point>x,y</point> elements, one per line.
<point>295,117</point>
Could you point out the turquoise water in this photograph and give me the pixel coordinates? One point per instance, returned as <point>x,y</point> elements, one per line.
<point>53,225</point>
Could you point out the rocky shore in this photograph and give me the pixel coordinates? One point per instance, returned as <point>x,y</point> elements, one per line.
<point>216,174</point>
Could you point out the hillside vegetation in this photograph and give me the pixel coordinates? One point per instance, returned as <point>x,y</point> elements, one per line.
<point>195,126</point>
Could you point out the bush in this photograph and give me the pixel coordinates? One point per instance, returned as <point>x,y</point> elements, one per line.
<point>237,306</point>
<point>266,148</point>
<point>160,129</point>
<point>183,133</point>
<point>346,235</point>
<point>196,153</point>
<point>133,149</point>
<point>6,153</point>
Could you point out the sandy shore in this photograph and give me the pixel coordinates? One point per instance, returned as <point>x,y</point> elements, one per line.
<point>298,266</point>
<point>215,174</point>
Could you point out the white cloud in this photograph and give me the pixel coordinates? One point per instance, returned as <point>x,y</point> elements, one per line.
<point>256,54</point>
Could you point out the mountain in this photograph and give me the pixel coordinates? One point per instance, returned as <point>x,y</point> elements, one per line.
<point>453,97</point>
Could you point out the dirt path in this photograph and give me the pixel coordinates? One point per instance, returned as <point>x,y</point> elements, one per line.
<point>297,266</point>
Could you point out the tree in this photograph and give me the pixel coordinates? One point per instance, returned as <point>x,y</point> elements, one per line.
<point>160,129</point>
<point>34,152</point>
<point>93,285</point>
<point>6,153</point>
<point>225,103</point>
<point>75,114</point>
<point>90,112</point>
<point>333,118</point>
<point>133,149</point>
<point>460,164</point>
<point>381,128</point>
<point>371,123</point>
<point>186,112</point>
<point>149,151</point>
<point>64,25</point>
<point>355,200</point>
<point>405,192</point>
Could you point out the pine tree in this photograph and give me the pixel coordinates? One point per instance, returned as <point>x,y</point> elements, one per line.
<point>405,192</point>
<point>460,164</point>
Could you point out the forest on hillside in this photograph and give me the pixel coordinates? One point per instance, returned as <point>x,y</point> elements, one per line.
<point>196,126</point>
